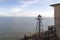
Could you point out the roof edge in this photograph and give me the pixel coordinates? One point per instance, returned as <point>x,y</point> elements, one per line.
<point>55,4</point>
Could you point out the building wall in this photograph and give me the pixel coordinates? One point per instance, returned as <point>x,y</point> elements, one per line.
<point>57,19</point>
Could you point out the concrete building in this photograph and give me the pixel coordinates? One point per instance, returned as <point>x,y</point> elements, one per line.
<point>57,18</point>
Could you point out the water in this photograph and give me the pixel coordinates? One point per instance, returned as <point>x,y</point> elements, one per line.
<point>14,28</point>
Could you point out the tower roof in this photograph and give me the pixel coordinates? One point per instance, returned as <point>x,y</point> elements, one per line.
<point>39,15</point>
<point>55,4</point>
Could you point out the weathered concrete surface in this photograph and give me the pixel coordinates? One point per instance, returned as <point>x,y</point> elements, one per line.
<point>57,19</point>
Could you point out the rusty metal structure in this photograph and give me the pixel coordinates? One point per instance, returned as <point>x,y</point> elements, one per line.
<point>39,24</point>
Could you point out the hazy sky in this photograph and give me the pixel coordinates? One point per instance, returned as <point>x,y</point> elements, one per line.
<point>27,8</point>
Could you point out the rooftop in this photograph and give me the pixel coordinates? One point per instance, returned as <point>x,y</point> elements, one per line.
<point>55,4</point>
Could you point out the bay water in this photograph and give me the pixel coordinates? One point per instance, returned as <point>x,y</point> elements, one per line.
<point>14,28</point>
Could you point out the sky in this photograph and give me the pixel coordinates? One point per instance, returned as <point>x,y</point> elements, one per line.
<point>27,8</point>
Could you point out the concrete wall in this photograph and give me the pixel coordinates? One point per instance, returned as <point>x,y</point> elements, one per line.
<point>57,19</point>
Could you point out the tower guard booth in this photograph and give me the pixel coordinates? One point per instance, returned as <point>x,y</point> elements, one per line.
<point>57,19</point>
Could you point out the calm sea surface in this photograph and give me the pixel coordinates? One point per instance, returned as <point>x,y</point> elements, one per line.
<point>14,28</point>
